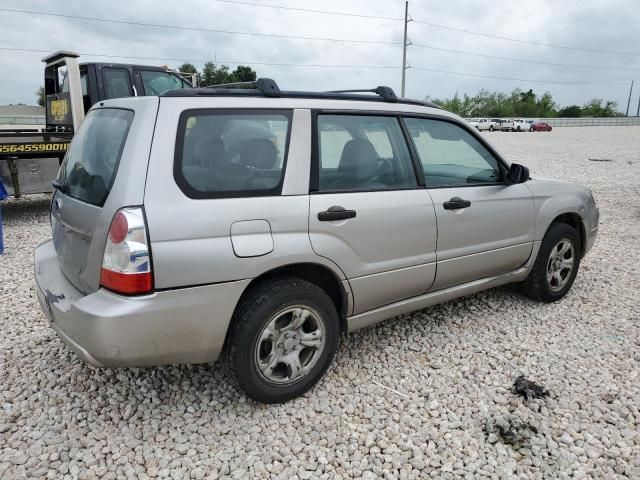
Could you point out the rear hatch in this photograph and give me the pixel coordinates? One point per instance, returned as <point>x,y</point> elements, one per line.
<point>101,173</point>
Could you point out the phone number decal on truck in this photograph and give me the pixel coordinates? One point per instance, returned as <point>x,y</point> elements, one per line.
<point>34,147</point>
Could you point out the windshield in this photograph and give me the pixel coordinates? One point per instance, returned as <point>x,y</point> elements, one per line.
<point>91,163</point>
<point>157,82</point>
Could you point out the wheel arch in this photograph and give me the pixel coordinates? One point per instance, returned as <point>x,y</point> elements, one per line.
<point>318,274</point>
<point>574,220</point>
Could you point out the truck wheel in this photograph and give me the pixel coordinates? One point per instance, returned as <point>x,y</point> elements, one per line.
<point>491,128</point>
<point>282,339</point>
<point>556,266</point>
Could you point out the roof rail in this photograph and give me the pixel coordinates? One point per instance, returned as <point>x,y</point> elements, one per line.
<point>266,86</point>
<point>386,93</point>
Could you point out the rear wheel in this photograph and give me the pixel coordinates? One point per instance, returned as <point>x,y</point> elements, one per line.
<point>556,266</point>
<point>491,128</point>
<point>283,338</point>
<point>531,129</point>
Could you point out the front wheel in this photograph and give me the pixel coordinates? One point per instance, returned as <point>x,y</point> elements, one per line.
<point>283,338</point>
<point>556,266</point>
<point>531,129</point>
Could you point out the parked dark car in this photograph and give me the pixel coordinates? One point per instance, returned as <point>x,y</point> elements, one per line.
<point>540,127</point>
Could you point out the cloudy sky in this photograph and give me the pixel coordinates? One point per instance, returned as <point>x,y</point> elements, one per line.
<point>605,36</point>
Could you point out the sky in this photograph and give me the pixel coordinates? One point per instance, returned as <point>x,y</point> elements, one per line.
<point>611,27</point>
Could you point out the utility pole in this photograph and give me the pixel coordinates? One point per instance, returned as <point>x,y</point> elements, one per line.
<point>629,101</point>
<point>404,47</point>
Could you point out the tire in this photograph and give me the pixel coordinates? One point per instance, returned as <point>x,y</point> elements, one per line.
<point>519,128</point>
<point>262,329</point>
<point>491,128</point>
<point>531,129</point>
<point>538,285</point>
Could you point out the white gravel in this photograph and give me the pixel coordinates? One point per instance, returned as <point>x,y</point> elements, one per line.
<point>452,366</point>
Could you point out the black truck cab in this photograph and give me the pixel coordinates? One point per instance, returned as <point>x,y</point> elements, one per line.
<point>71,89</point>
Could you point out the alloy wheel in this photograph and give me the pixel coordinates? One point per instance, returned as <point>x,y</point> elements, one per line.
<point>290,345</point>
<point>560,265</point>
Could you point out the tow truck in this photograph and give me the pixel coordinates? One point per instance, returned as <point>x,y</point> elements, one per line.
<point>29,160</point>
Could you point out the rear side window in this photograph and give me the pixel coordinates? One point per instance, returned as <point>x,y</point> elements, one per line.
<point>117,83</point>
<point>91,163</point>
<point>230,153</point>
<point>358,153</point>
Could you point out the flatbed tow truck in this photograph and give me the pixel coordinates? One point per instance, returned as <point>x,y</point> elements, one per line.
<point>29,160</point>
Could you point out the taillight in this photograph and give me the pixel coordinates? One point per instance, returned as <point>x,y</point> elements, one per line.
<point>126,264</point>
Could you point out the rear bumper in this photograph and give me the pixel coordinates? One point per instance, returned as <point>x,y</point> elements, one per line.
<point>186,325</point>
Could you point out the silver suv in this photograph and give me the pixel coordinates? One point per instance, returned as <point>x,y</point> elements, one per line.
<point>257,225</point>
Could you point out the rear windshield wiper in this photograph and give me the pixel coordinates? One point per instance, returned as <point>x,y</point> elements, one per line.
<point>61,187</point>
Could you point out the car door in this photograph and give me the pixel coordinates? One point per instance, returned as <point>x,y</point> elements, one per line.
<point>368,213</point>
<point>485,224</point>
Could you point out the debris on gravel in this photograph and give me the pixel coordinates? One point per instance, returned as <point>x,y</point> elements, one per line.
<point>511,430</point>
<point>409,398</point>
<point>528,389</point>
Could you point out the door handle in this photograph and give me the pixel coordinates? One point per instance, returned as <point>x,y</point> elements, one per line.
<point>456,203</point>
<point>336,213</point>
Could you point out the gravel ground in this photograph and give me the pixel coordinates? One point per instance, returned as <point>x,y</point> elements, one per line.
<point>426,395</point>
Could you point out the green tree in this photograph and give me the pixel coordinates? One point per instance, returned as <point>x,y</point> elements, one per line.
<point>188,70</point>
<point>244,73</point>
<point>571,111</point>
<point>545,106</point>
<point>41,96</point>
<point>520,103</point>
<point>600,108</point>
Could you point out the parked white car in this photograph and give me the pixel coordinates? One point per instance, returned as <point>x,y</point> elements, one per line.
<point>481,124</point>
<point>516,125</point>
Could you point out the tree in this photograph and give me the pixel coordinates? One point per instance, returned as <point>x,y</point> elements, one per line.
<point>571,111</point>
<point>208,74</point>
<point>213,74</point>
<point>41,96</point>
<point>546,107</point>
<point>244,73</point>
<point>188,70</point>
<point>599,108</point>
<point>520,103</point>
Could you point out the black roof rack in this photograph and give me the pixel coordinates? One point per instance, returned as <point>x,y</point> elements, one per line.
<point>386,93</point>
<point>266,87</point>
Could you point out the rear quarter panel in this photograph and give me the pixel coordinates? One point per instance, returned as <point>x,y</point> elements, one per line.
<point>191,240</point>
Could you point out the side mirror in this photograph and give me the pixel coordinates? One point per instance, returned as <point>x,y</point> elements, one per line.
<point>518,173</point>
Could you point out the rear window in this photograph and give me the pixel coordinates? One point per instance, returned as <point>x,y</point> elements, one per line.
<point>91,163</point>
<point>230,153</point>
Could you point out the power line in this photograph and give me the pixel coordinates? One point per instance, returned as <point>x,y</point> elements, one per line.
<point>514,79</point>
<point>198,29</point>
<point>332,12</point>
<point>510,39</point>
<point>475,54</point>
<point>308,10</point>
<point>304,65</point>
<point>226,62</point>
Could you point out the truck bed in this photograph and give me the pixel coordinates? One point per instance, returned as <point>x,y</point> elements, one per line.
<point>33,144</point>
<point>30,160</point>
